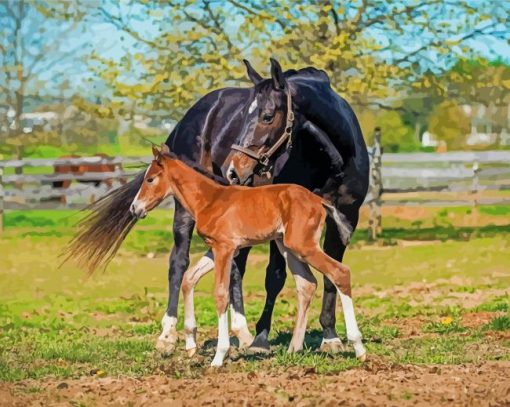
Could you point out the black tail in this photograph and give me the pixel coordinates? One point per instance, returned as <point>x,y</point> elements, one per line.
<point>102,231</point>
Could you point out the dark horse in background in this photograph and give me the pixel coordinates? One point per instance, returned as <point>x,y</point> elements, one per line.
<point>290,128</point>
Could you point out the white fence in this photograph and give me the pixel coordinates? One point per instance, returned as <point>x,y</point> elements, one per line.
<point>453,178</point>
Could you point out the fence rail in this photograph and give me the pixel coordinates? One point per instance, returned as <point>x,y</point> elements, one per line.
<point>395,179</point>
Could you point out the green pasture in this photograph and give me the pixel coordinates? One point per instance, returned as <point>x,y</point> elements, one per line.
<point>433,289</point>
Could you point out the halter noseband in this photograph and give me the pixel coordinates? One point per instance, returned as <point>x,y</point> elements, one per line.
<point>263,158</point>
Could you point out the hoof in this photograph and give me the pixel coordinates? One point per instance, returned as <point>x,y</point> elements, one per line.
<point>334,345</point>
<point>191,352</point>
<point>260,345</point>
<point>291,349</point>
<point>245,339</point>
<point>216,365</point>
<point>255,350</point>
<point>362,358</point>
<point>219,358</point>
<point>165,347</point>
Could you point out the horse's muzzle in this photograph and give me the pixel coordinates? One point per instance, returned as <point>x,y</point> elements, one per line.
<point>138,210</point>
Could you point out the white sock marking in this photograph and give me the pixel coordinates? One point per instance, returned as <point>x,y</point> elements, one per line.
<point>168,323</point>
<point>238,320</point>
<point>223,340</point>
<point>351,326</point>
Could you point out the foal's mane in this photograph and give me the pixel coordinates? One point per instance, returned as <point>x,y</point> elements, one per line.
<point>200,170</point>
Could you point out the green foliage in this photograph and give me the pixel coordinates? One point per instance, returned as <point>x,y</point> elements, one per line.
<point>499,323</point>
<point>450,124</point>
<point>396,135</point>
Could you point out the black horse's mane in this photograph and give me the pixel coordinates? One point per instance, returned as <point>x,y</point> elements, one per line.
<point>307,73</point>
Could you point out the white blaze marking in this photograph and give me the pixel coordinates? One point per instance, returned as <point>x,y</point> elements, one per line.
<point>135,202</point>
<point>253,106</point>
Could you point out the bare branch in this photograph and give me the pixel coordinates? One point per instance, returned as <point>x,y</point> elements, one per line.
<point>120,24</point>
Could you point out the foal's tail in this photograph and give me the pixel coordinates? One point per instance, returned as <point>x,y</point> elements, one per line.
<point>343,225</point>
<point>102,231</point>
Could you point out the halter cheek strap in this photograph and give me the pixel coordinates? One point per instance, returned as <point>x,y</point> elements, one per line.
<point>263,158</point>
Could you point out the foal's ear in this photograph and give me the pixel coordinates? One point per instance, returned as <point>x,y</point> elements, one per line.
<point>252,73</point>
<point>277,75</point>
<point>164,149</point>
<point>155,151</point>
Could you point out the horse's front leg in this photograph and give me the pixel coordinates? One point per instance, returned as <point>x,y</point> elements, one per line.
<point>191,278</point>
<point>179,262</point>
<point>237,315</point>
<point>275,280</point>
<point>223,255</point>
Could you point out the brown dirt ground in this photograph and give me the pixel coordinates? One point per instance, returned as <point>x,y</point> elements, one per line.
<point>377,384</point>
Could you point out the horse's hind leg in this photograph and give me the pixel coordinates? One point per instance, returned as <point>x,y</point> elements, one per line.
<point>306,284</point>
<point>340,276</point>
<point>238,318</point>
<point>334,248</point>
<point>275,280</point>
<point>190,280</point>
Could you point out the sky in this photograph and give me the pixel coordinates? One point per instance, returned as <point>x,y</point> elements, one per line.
<point>110,42</point>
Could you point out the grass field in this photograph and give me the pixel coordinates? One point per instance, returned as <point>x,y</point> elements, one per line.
<point>433,290</point>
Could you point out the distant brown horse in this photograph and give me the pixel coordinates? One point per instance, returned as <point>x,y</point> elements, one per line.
<point>82,169</point>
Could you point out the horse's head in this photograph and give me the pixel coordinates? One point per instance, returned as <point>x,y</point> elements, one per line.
<point>156,184</point>
<point>266,130</point>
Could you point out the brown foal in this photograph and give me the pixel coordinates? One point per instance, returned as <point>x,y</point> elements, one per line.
<point>232,217</point>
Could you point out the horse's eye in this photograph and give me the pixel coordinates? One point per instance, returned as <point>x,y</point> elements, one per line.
<point>150,180</point>
<point>267,118</point>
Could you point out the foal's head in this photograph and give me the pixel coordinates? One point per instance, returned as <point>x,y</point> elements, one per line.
<point>156,184</point>
<point>266,114</point>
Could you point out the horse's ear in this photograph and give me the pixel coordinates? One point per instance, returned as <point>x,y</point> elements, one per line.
<point>277,75</point>
<point>165,149</point>
<point>252,73</point>
<point>155,151</point>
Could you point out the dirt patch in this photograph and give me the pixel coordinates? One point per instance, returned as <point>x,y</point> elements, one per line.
<point>477,319</point>
<point>377,384</point>
<point>440,292</point>
<point>409,327</point>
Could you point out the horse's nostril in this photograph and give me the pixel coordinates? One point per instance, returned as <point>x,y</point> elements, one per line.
<point>233,177</point>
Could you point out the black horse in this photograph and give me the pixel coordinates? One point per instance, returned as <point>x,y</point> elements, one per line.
<point>291,128</point>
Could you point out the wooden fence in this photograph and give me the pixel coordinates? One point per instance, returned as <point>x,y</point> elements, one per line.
<point>437,179</point>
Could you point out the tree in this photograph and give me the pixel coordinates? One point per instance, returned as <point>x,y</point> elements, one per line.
<point>449,123</point>
<point>384,54</point>
<point>31,58</point>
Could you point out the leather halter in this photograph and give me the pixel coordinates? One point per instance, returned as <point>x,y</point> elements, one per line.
<point>263,158</point>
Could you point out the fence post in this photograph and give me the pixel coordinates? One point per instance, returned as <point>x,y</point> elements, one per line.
<point>475,186</point>
<point>1,200</point>
<point>375,188</point>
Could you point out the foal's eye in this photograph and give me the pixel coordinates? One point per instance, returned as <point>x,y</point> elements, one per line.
<point>267,118</point>
<point>150,180</point>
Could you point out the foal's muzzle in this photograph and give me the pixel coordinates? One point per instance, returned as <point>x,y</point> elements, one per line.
<point>138,210</point>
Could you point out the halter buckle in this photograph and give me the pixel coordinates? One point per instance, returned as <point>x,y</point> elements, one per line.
<point>264,160</point>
